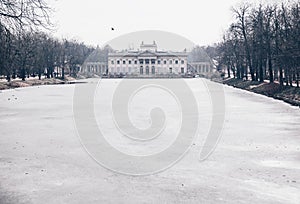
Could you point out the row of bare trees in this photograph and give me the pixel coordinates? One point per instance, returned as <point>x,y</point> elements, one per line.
<point>263,43</point>
<point>27,51</point>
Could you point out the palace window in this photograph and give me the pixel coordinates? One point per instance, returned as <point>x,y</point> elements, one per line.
<point>176,61</point>
<point>118,61</point>
<point>112,62</point>
<point>147,70</point>
<point>146,61</point>
<point>141,61</point>
<point>170,69</point>
<point>124,62</point>
<point>182,61</point>
<point>141,70</point>
<point>153,61</point>
<point>129,61</point>
<point>170,62</point>
<point>153,70</point>
<point>165,62</point>
<point>135,61</point>
<point>182,70</point>
<point>158,61</point>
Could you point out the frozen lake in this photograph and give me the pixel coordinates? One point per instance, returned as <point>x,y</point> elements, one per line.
<point>42,160</point>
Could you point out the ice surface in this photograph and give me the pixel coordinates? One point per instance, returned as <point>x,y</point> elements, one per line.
<point>43,161</point>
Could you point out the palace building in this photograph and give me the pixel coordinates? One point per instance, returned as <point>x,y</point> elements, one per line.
<point>147,61</point>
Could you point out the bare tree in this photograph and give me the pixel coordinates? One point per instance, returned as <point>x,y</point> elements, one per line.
<point>16,14</point>
<point>242,26</point>
<point>267,40</point>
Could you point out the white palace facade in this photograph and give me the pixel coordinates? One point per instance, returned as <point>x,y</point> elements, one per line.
<point>147,62</point>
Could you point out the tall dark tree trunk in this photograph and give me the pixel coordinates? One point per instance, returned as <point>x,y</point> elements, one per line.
<point>238,71</point>
<point>276,73</point>
<point>14,74</point>
<point>233,71</point>
<point>281,76</point>
<point>256,74</point>
<point>8,77</point>
<point>286,76</point>
<point>261,71</point>
<point>23,74</point>
<point>63,73</point>
<point>271,75</point>
<point>48,73</point>
<point>246,71</point>
<point>40,74</point>
<point>297,79</point>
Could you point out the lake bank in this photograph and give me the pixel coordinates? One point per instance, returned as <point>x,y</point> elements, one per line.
<point>34,82</point>
<point>287,94</point>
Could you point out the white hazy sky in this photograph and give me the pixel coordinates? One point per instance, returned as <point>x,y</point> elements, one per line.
<point>201,21</point>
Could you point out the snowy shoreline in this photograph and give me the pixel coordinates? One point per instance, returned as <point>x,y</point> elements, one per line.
<point>18,83</point>
<point>288,94</point>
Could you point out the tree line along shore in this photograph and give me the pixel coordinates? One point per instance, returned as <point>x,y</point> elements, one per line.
<point>260,51</point>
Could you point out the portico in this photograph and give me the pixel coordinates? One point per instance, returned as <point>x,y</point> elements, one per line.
<point>147,61</point>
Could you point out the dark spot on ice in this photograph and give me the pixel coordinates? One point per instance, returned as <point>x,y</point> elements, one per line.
<point>283,175</point>
<point>182,184</point>
<point>294,181</point>
<point>26,173</point>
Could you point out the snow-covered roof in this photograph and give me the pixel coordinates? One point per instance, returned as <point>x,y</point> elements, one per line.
<point>147,53</point>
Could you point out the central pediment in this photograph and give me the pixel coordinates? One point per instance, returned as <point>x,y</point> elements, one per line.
<point>147,53</point>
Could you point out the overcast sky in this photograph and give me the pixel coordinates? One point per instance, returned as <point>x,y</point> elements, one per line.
<point>90,21</point>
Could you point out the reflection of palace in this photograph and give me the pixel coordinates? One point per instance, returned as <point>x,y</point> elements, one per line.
<point>147,61</point>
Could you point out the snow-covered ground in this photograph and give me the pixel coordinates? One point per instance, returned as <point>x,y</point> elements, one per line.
<point>42,160</point>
